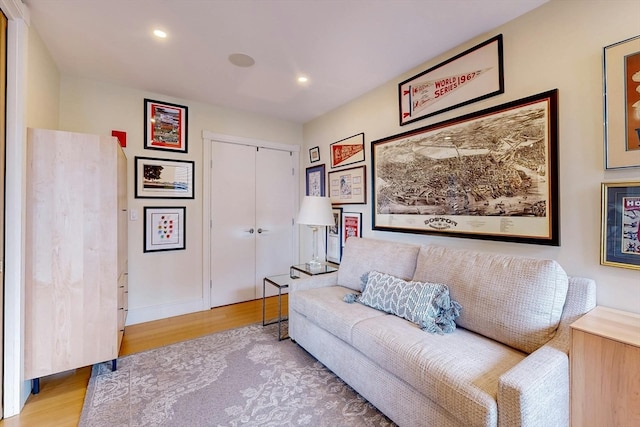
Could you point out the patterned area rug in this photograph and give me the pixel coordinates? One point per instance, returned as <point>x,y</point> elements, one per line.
<point>239,377</point>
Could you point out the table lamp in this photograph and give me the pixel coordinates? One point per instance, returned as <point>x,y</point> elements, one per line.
<point>315,212</point>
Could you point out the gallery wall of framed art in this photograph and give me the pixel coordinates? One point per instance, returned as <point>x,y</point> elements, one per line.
<point>587,151</point>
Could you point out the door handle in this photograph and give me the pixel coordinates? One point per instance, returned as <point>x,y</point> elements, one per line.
<point>260,230</point>
<point>250,231</point>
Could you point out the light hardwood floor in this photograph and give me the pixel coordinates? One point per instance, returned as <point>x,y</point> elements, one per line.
<point>61,396</point>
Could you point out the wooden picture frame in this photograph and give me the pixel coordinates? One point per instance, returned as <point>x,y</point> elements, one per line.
<point>347,151</point>
<point>473,75</point>
<point>620,234</point>
<point>315,181</point>
<point>165,126</point>
<point>334,238</point>
<point>163,178</point>
<point>351,225</point>
<point>492,174</point>
<point>348,186</point>
<point>621,70</point>
<point>164,228</point>
<point>314,154</point>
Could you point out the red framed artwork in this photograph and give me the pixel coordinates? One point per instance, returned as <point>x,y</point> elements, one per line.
<point>351,225</point>
<point>347,151</point>
<point>165,126</point>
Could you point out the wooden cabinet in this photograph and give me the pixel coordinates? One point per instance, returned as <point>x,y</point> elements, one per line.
<point>605,369</point>
<point>76,244</point>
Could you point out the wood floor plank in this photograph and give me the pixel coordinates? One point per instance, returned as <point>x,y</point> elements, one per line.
<point>59,403</point>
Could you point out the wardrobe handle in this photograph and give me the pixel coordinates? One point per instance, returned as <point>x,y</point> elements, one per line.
<point>250,231</point>
<point>260,230</point>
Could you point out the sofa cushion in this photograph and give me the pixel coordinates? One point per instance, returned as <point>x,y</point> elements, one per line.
<point>459,371</point>
<point>515,300</point>
<point>325,308</point>
<point>360,256</point>
<point>426,304</point>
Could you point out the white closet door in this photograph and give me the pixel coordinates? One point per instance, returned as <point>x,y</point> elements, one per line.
<point>252,213</point>
<point>233,231</point>
<point>274,215</point>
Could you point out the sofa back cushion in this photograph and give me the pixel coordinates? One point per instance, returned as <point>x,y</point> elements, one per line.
<point>360,256</point>
<point>514,300</point>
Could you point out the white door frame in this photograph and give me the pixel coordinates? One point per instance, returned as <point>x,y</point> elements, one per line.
<point>15,389</point>
<point>208,138</point>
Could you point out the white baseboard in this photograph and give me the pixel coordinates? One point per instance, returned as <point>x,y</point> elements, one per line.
<point>157,312</point>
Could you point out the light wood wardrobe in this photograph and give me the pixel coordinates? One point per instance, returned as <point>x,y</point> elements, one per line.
<point>76,251</point>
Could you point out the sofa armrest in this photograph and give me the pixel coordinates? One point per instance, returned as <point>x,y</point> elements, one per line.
<point>313,282</point>
<point>535,392</point>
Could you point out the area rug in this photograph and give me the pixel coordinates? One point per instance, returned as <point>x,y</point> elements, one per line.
<point>240,377</point>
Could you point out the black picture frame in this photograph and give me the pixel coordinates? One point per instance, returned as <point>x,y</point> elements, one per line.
<point>348,186</point>
<point>351,226</point>
<point>473,75</point>
<point>164,228</point>
<point>347,151</point>
<point>314,154</point>
<point>491,174</point>
<point>315,181</point>
<point>334,237</point>
<point>165,126</point>
<point>620,234</point>
<point>157,178</point>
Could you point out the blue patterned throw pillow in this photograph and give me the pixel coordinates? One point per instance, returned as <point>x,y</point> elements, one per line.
<point>426,304</point>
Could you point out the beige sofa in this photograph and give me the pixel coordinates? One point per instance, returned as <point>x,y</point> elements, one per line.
<point>505,364</point>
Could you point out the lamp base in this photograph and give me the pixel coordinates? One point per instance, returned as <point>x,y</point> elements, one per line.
<point>314,264</point>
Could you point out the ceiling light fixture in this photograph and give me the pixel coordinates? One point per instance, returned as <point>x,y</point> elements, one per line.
<point>241,60</point>
<point>303,79</point>
<point>159,33</point>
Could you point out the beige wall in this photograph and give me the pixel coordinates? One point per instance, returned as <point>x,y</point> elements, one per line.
<point>43,87</point>
<point>162,283</point>
<point>558,45</point>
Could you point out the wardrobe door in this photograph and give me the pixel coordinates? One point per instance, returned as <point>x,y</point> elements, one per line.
<point>233,228</point>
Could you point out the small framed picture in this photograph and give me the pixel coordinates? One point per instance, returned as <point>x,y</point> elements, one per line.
<point>347,151</point>
<point>348,186</point>
<point>620,236</point>
<point>351,225</point>
<point>163,178</point>
<point>164,228</point>
<point>165,126</point>
<point>314,154</point>
<point>315,181</point>
<point>334,238</point>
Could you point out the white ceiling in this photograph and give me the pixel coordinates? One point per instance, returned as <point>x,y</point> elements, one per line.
<point>345,47</point>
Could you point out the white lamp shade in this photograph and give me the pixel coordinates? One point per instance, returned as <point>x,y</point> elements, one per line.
<point>316,210</point>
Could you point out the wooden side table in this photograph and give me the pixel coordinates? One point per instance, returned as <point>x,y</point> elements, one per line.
<point>605,369</point>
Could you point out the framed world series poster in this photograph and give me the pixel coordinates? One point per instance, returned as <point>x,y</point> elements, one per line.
<point>473,75</point>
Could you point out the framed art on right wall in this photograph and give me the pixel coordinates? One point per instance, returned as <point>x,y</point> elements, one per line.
<point>620,236</point>
<point>621,69</point>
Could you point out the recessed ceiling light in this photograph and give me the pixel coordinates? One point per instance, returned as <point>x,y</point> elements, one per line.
<point>160,33</point>
<point>241,60</point>
<point>303,79</point>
